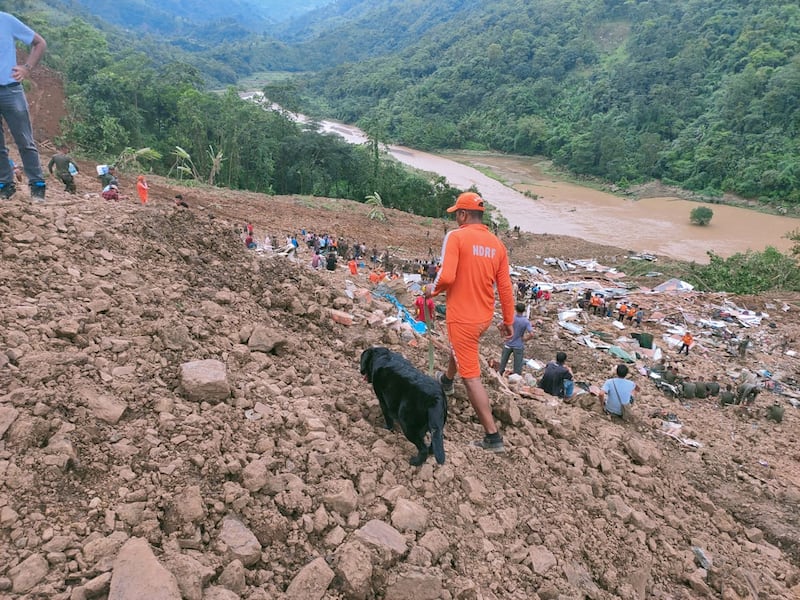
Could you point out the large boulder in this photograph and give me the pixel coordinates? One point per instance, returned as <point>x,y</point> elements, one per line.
<point>205,381</point>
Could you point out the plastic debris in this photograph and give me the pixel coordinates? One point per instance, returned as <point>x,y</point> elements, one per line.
<point>703,561</point>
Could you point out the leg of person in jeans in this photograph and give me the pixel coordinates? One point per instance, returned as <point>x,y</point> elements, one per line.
<point>504,360</point>
<point>569,388</point>
<point>518,356</point>
<point>7,187</point>
<point>14,109</point>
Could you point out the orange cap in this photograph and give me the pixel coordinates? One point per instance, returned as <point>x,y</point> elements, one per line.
<point>467,201</point>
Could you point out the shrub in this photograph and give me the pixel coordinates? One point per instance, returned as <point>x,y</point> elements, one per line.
<point>701,215</point>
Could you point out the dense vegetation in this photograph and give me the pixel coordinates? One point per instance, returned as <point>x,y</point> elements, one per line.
<point>702,94</point>
<point>119,99</point>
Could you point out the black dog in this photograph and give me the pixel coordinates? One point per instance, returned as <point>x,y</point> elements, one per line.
<point>410,397</point>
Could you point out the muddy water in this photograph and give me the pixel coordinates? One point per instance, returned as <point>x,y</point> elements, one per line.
<point>658,225</point>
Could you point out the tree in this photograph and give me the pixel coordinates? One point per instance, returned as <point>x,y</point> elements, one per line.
<point>701,215</point>
<point>375,201</point>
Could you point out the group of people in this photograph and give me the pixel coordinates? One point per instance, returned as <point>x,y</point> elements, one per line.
<point>746,392</point>
<point>598,304</point>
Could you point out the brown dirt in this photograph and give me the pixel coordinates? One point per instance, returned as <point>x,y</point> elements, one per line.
<point>92,291</point>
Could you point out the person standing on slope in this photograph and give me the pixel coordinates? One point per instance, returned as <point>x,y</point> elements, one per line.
<point>14,105</point>
<point>141,188</point>
<point>473,262</point>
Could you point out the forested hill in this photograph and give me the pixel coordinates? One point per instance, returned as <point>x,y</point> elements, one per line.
<point>702,94</point>
<point>228,20</point>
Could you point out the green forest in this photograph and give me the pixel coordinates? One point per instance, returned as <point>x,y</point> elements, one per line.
<point>704,95</point>
<point>121,100</point>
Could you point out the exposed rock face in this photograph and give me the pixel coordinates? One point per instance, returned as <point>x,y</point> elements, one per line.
<point>180,418</point>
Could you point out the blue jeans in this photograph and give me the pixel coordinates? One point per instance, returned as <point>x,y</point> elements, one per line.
<point>517,359</point>
<point>14,110</point>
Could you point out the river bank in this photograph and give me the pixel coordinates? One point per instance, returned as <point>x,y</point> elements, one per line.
<point>648,222</point>
<point>658,224</point>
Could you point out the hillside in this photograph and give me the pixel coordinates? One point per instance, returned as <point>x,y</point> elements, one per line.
<point>286,481</point>
<point>699,94</point>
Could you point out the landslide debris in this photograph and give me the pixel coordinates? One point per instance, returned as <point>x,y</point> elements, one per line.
<point>182,418</point>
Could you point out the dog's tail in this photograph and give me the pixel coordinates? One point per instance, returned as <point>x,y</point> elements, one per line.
<point>437,416</point>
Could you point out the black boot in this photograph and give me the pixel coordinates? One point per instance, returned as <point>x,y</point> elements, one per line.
<point>38,189</point>
<point>7,190</point>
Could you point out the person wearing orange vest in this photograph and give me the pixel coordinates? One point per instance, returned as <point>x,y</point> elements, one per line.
<point>353,266</point>
<point>141,188</point>
<point>687,340</point>
<point>474,261</point>
<point>623,311</point>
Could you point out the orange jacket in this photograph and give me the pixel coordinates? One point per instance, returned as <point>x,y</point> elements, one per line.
<point>473,262</point>
<point>687,339</point>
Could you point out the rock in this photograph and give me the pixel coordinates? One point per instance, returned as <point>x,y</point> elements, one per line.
<point>541,559</point>
<point>311,582</point>
<point>104,548</point>
<point>436,543</point>
<point>205,381</point>
<point>507,411</point>
<point>233,577</point>
<point>642,452</point>
<point>419,586</point>
<point>383,537</point>
<point>97,585</point>
<point>409,516</point>
<point>353,567</point>
<point>8,415</point>
<point>255,475</point>
<point>491,527</point>
<point>619,508</point>
<point>102,406</point>
<point>641,521</point>
<point>28,573</point>
<point>192,576</point>
<point>240,541</point>
<point>341,496</point>
<point>265,339</point>
<point>137,574</point>
<point>175,338</point>
<point>217,592</point>
<point>754,534</point>
<point>474,488</point>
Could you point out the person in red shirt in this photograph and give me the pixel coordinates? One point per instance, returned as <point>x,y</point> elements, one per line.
<point>425,307</point>
<point>473,262</point>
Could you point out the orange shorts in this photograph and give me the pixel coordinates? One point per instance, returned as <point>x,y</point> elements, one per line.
<point>464,339</point>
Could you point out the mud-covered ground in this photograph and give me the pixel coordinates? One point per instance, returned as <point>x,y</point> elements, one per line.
<point>269,474</point>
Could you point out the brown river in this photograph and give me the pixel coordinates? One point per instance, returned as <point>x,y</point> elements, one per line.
<point>655,225</point>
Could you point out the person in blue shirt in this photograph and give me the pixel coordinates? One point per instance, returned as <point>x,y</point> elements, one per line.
<point>14,105</point>
<point>617,392</point>
<point>521,332</point>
